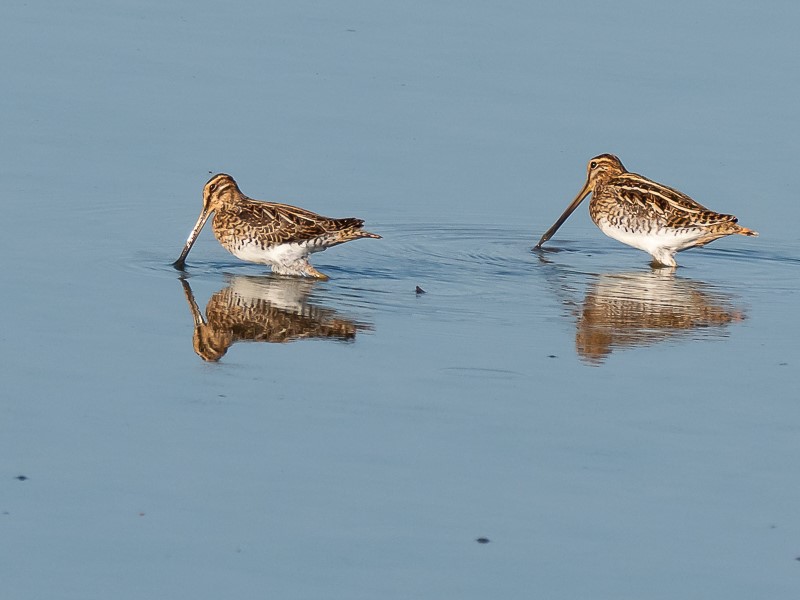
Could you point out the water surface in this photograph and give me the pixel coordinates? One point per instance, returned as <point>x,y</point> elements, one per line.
<point>613,431</point>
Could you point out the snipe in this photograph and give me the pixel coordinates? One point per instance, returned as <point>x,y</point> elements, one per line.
<point>269,233</point>
<point>645,214</point>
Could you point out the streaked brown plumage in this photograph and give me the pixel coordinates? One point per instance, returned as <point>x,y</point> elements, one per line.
<point>646,215</point>
<point>270,233</point>
<point>263,309</point>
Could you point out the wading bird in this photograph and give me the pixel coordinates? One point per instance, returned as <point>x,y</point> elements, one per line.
<point>644,214</point>
<point>269,233</point>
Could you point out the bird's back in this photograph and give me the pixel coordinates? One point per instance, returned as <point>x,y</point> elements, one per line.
<point>271,224</point>
<point>633,199</point>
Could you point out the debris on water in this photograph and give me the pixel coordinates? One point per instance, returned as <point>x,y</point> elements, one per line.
<point>482,540</point>
<point>21,477</point>
<point>419,290</point>
<point>552,356</point>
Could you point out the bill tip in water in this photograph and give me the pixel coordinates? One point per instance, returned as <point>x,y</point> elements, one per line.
<point>179,264</point>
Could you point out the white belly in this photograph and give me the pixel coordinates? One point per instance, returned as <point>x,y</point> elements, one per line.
<point>282,256</point>
<point>653,242</point>
<point>661,245</point>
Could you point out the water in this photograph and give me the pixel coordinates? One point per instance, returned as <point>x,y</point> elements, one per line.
<point>613,431</point>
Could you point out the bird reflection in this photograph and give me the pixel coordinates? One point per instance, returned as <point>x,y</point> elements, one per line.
<point>626,310</point>
<point>264,309</point>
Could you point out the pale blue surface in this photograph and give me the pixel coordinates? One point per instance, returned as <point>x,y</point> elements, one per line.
<point>316,469</point>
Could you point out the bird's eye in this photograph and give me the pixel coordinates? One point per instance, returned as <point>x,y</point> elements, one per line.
<point>593,165</point>
<point>212,188</point>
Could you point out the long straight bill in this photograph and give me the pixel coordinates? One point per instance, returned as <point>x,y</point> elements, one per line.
<point>570,209</point>
<point>181,262</point>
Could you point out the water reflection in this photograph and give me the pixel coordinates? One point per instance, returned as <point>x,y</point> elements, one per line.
<point>624,310</point>
<point>264,309</point>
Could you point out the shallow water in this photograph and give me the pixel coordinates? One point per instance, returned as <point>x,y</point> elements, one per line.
<point>613,431</point>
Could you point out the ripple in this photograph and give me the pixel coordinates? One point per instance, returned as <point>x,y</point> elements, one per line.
<point>485,283</point>
<point>471,270</point>
<point>449,253</point>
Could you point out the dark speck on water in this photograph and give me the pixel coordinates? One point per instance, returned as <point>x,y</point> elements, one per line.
<point>21,477</point>
<point>419,290</point>
<point>482,540</point>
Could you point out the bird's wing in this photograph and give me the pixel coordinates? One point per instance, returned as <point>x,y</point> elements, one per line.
<point>278,223</point>
<point>673,208</point>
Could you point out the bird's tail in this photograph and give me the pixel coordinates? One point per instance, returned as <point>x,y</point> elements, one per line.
<point>367,234</point>
<point>745,231</point>
<point>353,233</point>
<point>350,229</point>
